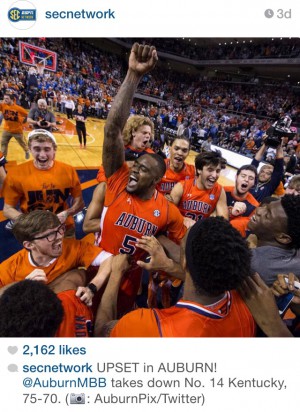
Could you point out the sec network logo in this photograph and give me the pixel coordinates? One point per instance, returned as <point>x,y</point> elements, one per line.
<point>22,15</point>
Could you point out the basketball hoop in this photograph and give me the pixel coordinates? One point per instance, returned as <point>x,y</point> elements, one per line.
<point>42,59</point>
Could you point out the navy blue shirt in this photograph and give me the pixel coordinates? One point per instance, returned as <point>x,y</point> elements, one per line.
<point>268,188</point>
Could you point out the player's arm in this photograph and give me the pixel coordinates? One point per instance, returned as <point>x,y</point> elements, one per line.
<point>106,317</point>
<point>171,248</point>
<point>142,60</point>
<point>158,257</point>
<point>221,207</point>
<point>261,303</point>
<point>176,194</point>
<point>91,223</point>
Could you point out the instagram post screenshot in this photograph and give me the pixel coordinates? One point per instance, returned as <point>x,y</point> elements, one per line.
<point>149,205</point>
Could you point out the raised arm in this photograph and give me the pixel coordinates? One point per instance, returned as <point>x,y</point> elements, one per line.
<point>259,155</point>
<point>142,60</point>
<point>221,207</point>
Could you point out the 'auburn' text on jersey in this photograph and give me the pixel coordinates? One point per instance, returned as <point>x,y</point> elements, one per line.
<point>137,224</point>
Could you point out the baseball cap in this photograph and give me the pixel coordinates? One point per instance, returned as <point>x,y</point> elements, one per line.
<point>41,132</point>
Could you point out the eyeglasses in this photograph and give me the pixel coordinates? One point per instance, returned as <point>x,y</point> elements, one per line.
<point>52,236</point>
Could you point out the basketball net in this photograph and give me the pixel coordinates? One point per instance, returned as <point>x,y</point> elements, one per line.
<point>40,67</point>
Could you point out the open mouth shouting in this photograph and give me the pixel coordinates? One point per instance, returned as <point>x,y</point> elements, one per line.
<point>244,187</point>
<point>178,159</point>
<point>132,182</point>
<point>145,144</point>
<point>210,182</point>
<point>41,163</point>
<point>177,162</point>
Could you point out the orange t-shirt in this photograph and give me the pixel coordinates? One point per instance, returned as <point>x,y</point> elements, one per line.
<point>229,317</point>
<point>41,189</point>
<point>75,253</point>
<point>196,203</point>
<point>78,318</point>
<point>14,116</point>
<point>170,178</point>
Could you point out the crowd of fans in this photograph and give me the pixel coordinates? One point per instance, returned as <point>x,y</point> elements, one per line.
<point>93,75</point>
<point>228,112</point>
<point>234,116</point>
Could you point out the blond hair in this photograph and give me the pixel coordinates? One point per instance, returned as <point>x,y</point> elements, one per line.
<point>133,124</point>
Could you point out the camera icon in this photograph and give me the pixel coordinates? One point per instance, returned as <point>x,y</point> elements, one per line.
<point>77,398</point>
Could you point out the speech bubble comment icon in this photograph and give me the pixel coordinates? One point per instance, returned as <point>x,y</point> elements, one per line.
<point>12,349</point>
<point>12,367</point>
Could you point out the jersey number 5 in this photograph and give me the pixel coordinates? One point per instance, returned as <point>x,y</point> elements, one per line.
<point>128,245</point>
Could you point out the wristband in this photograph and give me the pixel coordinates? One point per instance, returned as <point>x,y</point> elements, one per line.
<point>92,287</point>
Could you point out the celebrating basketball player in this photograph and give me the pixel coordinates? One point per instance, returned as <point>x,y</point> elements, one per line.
<point>132,206</point>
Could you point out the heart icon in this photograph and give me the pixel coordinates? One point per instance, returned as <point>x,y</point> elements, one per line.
<point>12,349</point>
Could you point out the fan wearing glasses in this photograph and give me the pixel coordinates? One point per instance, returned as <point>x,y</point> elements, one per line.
<point>48,257</point>
<point>43,183</point>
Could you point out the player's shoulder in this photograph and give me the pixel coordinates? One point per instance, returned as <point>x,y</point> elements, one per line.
<point>138,323</point>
